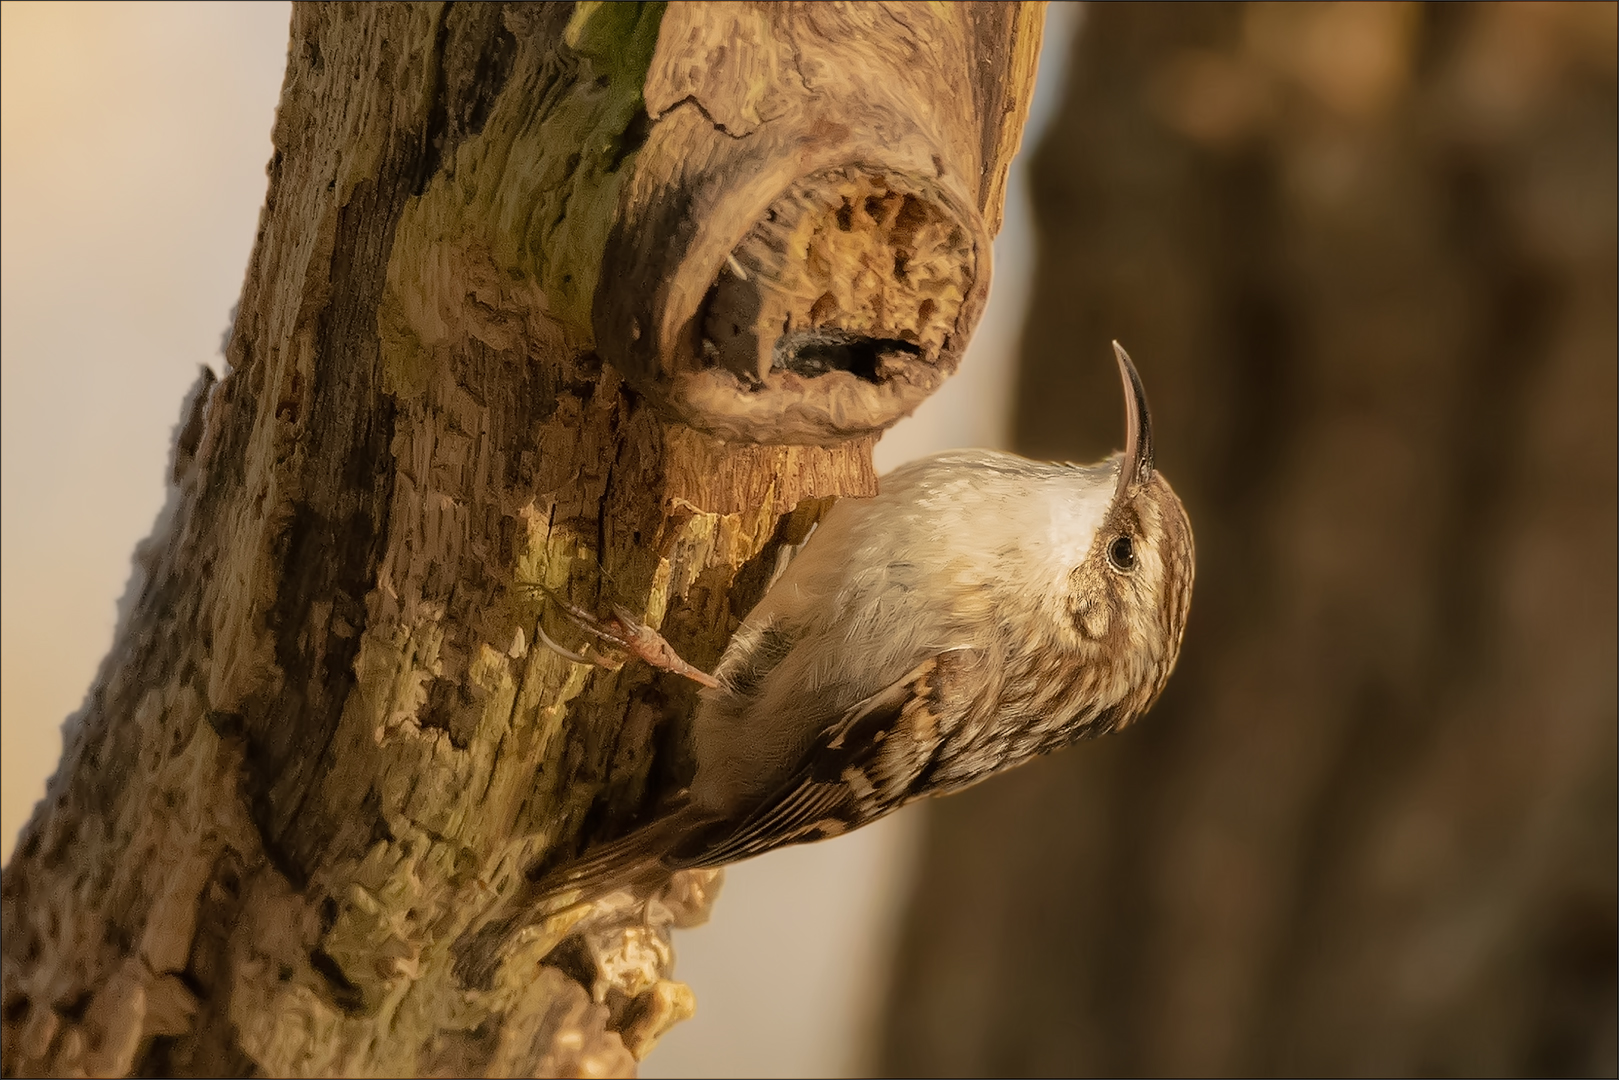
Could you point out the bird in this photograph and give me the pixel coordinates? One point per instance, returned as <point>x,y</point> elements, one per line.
<point>982,610</point>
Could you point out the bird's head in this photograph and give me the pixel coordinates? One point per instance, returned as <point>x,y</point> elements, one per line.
<point>1128,598</point>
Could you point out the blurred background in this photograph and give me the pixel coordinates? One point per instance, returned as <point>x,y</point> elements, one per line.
<point>1365,256</point>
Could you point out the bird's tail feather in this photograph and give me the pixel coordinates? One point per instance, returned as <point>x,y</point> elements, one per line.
<point>634,862</point>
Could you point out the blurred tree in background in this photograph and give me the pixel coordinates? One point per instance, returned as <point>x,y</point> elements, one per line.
<point>1365,257</point>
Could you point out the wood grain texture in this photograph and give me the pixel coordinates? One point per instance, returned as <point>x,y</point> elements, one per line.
<point>794,151</point>
<point>325,745</point>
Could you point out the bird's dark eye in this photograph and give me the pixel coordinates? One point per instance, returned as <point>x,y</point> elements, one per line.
<point>1122,553</point>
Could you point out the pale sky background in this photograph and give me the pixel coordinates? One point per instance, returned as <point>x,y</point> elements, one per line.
<point>133,140</point>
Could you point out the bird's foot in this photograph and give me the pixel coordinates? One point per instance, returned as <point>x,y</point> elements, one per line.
<point>623,630</point>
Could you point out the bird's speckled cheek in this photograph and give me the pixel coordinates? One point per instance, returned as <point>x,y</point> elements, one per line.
<point>1092,619</point>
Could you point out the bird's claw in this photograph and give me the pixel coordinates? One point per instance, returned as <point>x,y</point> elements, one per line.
<point>629,633</point>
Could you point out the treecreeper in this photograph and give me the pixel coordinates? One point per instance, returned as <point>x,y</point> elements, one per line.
<point>981,611</point>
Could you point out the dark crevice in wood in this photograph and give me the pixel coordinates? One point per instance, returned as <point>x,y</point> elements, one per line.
<point>816,352</point>
<point>435,133</point>
<point>347,996</point>
<point>690,100</point>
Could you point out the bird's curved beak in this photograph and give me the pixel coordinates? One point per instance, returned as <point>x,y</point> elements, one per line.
<point>1136,467</point>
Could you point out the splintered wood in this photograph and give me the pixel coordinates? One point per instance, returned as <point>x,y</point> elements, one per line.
<point>847,271</point>
<point>804,248</point>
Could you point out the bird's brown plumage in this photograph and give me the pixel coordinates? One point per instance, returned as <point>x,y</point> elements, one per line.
<point>982,610</point>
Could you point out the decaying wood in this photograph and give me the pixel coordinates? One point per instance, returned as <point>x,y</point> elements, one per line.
<point>325,748</point>
<point>806,242</point>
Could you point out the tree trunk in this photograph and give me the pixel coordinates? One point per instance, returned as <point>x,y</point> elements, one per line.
<point>495,339</point>
<point>1365,256</point>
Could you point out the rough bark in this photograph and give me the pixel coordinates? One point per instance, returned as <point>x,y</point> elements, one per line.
<point>326,747</point>
<point>1366,258</point>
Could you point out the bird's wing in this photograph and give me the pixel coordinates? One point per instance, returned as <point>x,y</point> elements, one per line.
<point>863,766</point>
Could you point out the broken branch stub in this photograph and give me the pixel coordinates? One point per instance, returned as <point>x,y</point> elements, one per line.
<point>804,246</point>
